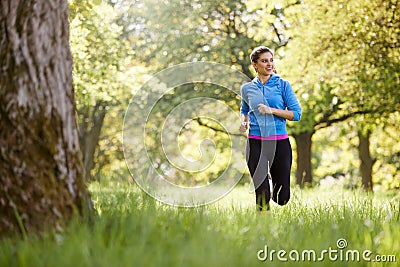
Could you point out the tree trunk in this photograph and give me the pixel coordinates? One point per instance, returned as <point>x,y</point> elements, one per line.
<point>366,161</point>
<point>41,173</point>
<point>303,172</point>
<point>89,135</point>
<point>245,68</point>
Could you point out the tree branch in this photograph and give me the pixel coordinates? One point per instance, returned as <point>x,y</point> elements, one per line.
<point>328,122</point>
<point>201,123</point>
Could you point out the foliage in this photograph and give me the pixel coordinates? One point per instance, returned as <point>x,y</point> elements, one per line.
<point>97,54</point>
<point>217,31</point>
<point>103,80</point>
<point>344,61</point>
<point>386,147</point>
<point>348,62</point>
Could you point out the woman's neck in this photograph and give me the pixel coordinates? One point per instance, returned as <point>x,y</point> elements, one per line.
<point>263,79</point>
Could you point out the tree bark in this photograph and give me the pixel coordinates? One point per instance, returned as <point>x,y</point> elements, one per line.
<point>41,173</point>
<point>366,161</point>
<point>304,171</point>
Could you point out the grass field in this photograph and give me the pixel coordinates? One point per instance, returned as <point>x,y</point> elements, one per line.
<point>132,229</point>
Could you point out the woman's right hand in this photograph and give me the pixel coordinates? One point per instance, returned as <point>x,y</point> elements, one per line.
<point>244,126</point>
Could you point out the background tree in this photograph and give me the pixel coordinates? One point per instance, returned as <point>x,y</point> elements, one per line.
<point>41,172</point>
<point>342,70</point>
<point>101,73</point>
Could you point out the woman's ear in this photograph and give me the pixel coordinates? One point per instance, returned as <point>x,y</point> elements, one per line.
<point>254,66</point>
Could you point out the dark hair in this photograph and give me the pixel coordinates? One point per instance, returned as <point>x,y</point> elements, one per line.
<point>256,53</point>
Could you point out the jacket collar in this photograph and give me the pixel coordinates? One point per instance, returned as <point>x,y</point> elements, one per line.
<point>272,81</point>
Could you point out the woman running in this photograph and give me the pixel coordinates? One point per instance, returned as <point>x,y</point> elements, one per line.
<point>267,102</point>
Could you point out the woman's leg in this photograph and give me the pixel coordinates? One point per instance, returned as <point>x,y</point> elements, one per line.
<point>280,172</point>
<point>257,162</point>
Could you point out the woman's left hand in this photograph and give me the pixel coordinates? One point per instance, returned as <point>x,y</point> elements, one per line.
<point>263,109</point>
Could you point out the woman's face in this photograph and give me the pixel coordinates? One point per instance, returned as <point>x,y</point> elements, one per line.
<point>265,64</point>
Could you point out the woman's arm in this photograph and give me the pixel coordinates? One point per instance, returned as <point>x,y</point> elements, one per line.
<point>293,109</point>
<point>286,114</point>
<point>283,113</point>
<point>291,101</point>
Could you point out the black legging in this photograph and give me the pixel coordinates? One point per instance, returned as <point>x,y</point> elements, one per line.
<point>277,157</point>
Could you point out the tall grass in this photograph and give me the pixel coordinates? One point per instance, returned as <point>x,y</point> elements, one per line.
<point>133,229</point>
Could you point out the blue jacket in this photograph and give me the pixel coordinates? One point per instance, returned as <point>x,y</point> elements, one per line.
<point>276,93</point>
